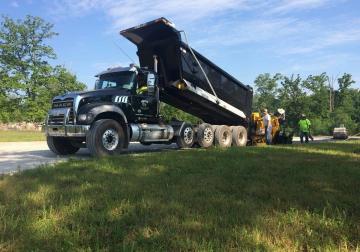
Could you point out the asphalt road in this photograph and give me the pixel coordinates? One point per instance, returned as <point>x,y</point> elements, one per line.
<point>17,156</point>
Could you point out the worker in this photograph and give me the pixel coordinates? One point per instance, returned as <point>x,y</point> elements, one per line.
<point>267,125</point>
<point>142,86</point>
<point>281,116</point>
<point>278,126</point>
<point>304,128</point>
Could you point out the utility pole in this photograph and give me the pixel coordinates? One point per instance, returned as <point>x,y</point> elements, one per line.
<point>331,92</point>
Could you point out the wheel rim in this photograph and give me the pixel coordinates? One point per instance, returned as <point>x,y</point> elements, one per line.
<point>110,139</point>
<point>188,135</point>
<point>208,135</point>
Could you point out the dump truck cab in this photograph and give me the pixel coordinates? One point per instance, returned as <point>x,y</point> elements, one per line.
<point>127,96</point>
<point>135,92</point>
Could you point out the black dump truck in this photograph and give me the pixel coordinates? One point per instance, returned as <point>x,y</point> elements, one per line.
<point>125,105</point>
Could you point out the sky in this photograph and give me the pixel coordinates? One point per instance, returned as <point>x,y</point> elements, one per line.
<point>244,37</point>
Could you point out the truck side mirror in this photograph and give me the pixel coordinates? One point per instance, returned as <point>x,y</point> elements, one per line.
<point>151,83</point>
<point>97,82</point>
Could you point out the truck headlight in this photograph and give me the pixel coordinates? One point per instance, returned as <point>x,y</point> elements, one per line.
<point>85,117</point>
<point>82,117</point>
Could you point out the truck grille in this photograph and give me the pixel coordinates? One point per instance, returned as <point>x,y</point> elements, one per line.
<point>59,119</point>
<point>56,120</point>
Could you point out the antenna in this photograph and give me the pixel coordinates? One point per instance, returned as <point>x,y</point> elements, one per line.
<point>123,51</point>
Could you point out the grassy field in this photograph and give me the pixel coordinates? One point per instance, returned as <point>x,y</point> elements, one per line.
<point>21,136</point>
<point>278,198</point>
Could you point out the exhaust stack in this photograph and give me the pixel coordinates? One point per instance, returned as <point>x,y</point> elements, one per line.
<point>155,64</point>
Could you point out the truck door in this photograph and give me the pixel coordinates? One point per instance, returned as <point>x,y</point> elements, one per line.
<point>145,103</point>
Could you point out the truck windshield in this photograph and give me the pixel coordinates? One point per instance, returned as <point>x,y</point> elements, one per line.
<point>124,80</point>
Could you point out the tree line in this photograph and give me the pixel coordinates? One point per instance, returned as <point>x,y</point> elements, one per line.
<point>315,96</point>
<point>27,79</point>
<point>28,82</point>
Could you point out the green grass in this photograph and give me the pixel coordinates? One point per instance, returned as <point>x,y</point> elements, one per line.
<point>21,136</point>
<point>278,198</point>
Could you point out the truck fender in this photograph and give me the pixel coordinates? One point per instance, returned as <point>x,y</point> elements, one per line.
<point>107,108</point>
<point>106,111</point>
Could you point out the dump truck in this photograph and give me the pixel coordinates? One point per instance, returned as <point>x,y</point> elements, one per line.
<point>125,105</point>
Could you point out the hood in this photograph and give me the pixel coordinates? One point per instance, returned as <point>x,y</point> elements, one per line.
<point>84,97</point>
<point>92,93</point>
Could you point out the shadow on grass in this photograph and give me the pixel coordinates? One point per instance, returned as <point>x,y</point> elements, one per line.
<point>256,198</point>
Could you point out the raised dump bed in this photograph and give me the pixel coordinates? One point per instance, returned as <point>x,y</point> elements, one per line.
<point>207,92</point>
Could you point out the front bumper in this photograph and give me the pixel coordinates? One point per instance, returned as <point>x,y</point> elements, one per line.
<point>67,130</point>
<point>62,128</point>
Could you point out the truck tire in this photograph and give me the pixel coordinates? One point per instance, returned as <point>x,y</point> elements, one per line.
<point>186,138</point>
<point>106,137</point>
<point>239,136</point>
<point>223,137</point>
<point>205,135</point>
<point>61,145</point>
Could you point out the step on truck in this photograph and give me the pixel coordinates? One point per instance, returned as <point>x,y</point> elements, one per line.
<point>125,105</point>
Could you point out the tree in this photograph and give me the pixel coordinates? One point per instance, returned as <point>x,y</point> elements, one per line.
<point>318,98</point>
<point>293,99</point>
<point>343,93</point>
<point>27,78</point>
<point>356,105</point>
<point>23,53</point>
<point>267,91</point>
<point>60,81</point>
<point>311,97</point>
<point>346,110</point>
<point>169,113</point>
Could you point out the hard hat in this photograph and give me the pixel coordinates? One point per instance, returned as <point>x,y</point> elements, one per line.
<point>281,111</point>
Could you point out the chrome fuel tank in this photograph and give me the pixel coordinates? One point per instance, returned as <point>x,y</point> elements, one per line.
<point>151,132</point>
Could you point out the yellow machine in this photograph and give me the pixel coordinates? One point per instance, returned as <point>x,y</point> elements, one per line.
<point>257,130</point>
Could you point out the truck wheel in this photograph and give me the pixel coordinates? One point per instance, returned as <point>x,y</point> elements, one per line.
<point>239,135</point>
<point>61,145</point>
<point>223,136</point>
<point>186,138</point>
<point>106,137</point>
<point>205,135</point>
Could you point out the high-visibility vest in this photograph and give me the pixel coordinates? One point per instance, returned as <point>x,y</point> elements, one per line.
<point>141,90</point>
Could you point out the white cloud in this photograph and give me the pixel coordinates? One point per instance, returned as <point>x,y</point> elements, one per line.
<point>228,22</point>
<point>125,13</point>
<point>65,8</point>
<point>14,4</point>
<point>214,18</point>
<point>320,62</point>
<point>284,6</point>
<point>250,31</point>
<point>320,37</point>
